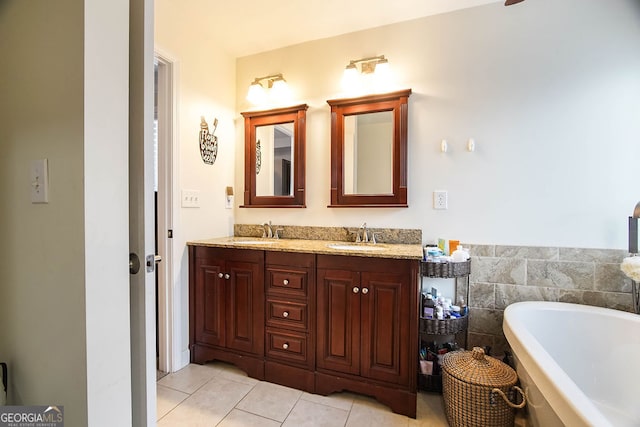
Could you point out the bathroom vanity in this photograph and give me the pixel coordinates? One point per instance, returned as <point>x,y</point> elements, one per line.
<point>315,315</point>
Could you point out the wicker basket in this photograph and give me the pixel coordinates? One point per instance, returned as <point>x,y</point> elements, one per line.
<point>443,326</point>
<point>478,390</point>
<point>446,269</point>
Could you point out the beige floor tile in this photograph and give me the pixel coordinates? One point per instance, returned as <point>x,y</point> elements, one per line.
<point>190,378</point>
<point>335,400</point>
<point>168,399</point>
<point>429,411</point>
<point>270,400</point>
<point>369,412</point>
<point>207,406</point>
<point>235,374</point>
<point>237,418</point>
<point>310,414</point>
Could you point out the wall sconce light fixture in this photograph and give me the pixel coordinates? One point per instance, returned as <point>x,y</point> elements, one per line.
<point>279,90</point>
<point>374,68</point>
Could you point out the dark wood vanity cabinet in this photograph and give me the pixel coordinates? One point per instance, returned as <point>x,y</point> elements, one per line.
<point>366,315</point>
<point>319,323</point>
<point>227,307</point>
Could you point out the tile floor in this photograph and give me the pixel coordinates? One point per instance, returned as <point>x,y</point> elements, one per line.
<point>218,394</point>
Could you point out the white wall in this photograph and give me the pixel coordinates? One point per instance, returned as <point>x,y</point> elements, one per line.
<point>205,87</point>
<point>549,90</point>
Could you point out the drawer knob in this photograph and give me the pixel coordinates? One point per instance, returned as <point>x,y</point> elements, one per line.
<point>285,282</point>
<point>285,314</point>
<point>365,290</point>
<point>356,289</point>
<point>285,346</point>
<point>220,275</point>
<point>226,276</point>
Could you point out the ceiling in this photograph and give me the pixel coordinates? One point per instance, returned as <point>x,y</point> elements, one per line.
<point>245,27</point>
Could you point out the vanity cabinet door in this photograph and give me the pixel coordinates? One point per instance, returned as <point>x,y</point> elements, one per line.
<point>338,314</point>
<point>209,304</point>
<point>385,305</point>
<point>244,307</point>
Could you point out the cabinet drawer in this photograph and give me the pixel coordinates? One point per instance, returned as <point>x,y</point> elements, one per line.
<point>287,314</point>
<point>287,346</point>
<point>287,282</point>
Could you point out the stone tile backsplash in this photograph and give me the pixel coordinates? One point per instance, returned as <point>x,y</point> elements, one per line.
<point>503,275</point>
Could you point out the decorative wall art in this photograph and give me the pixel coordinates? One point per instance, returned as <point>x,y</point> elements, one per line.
<point>208,141</point>
<point>258,157</point>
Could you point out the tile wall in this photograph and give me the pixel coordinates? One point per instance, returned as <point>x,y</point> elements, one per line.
<point>502,275</point>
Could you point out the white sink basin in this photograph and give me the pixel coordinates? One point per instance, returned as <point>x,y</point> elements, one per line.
<point>355,247</point>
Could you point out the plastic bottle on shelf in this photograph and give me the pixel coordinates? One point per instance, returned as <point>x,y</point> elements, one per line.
<point>460,255</point>
<point>462,305</point>
<point>429,306</point>
<point>439,313</point>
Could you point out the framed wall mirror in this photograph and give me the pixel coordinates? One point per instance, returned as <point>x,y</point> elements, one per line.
<point>274,153</point>
<point>369,150</point>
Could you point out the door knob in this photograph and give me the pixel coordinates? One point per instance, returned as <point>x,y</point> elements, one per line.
<point>220,275</point>
<point>285,346</point>
<point>365,290</point>
<point>134,263</point>
<point>226,276</point>
<point>285,314</point>
<point>356,289</point>
<point>285,282</point>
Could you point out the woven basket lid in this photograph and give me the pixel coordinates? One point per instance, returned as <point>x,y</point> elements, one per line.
<point>475,368</point>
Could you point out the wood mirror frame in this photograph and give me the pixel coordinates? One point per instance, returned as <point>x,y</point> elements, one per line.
<point>395,102</point>
<point>254,119</point>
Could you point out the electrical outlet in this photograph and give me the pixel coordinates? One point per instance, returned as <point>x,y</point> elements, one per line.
<point>190,198</point>
<point>440,199</point>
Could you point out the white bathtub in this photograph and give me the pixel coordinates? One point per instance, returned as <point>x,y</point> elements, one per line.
<point>579,365</point>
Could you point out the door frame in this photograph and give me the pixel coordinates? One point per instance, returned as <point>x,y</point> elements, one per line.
<point>169,354</point>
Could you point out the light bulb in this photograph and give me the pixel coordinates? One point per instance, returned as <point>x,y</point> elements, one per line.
<point>350,81</point>
<point>382,75</point>
<point>280,91</point>
<point>256,94</point>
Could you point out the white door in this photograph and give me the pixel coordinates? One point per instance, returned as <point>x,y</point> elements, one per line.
<point>141,213</point>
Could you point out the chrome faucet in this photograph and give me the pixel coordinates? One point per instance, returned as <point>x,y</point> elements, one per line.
<point>363,235</point>
<point>267,231</point>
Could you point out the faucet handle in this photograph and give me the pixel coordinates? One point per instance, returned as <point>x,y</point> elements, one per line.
<point>374,239</point>
<point>276,235</point>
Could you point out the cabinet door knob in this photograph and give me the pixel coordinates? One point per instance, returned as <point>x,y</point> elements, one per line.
<point>285,346</point>
<point>226,276</point>
<point>285,282</point>
<point>220,275</point>
<point>365,290</point>
<point>356,289</point>
<point>285,314</point>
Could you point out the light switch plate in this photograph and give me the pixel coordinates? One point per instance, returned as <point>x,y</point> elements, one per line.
<point>39,181</point>
<point>190,198</point>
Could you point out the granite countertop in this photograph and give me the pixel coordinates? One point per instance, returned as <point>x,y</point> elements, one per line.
<point>328,247</point>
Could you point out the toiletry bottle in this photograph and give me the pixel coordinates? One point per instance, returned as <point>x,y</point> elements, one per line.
<point>429,306</point>
<point>462,305</point>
